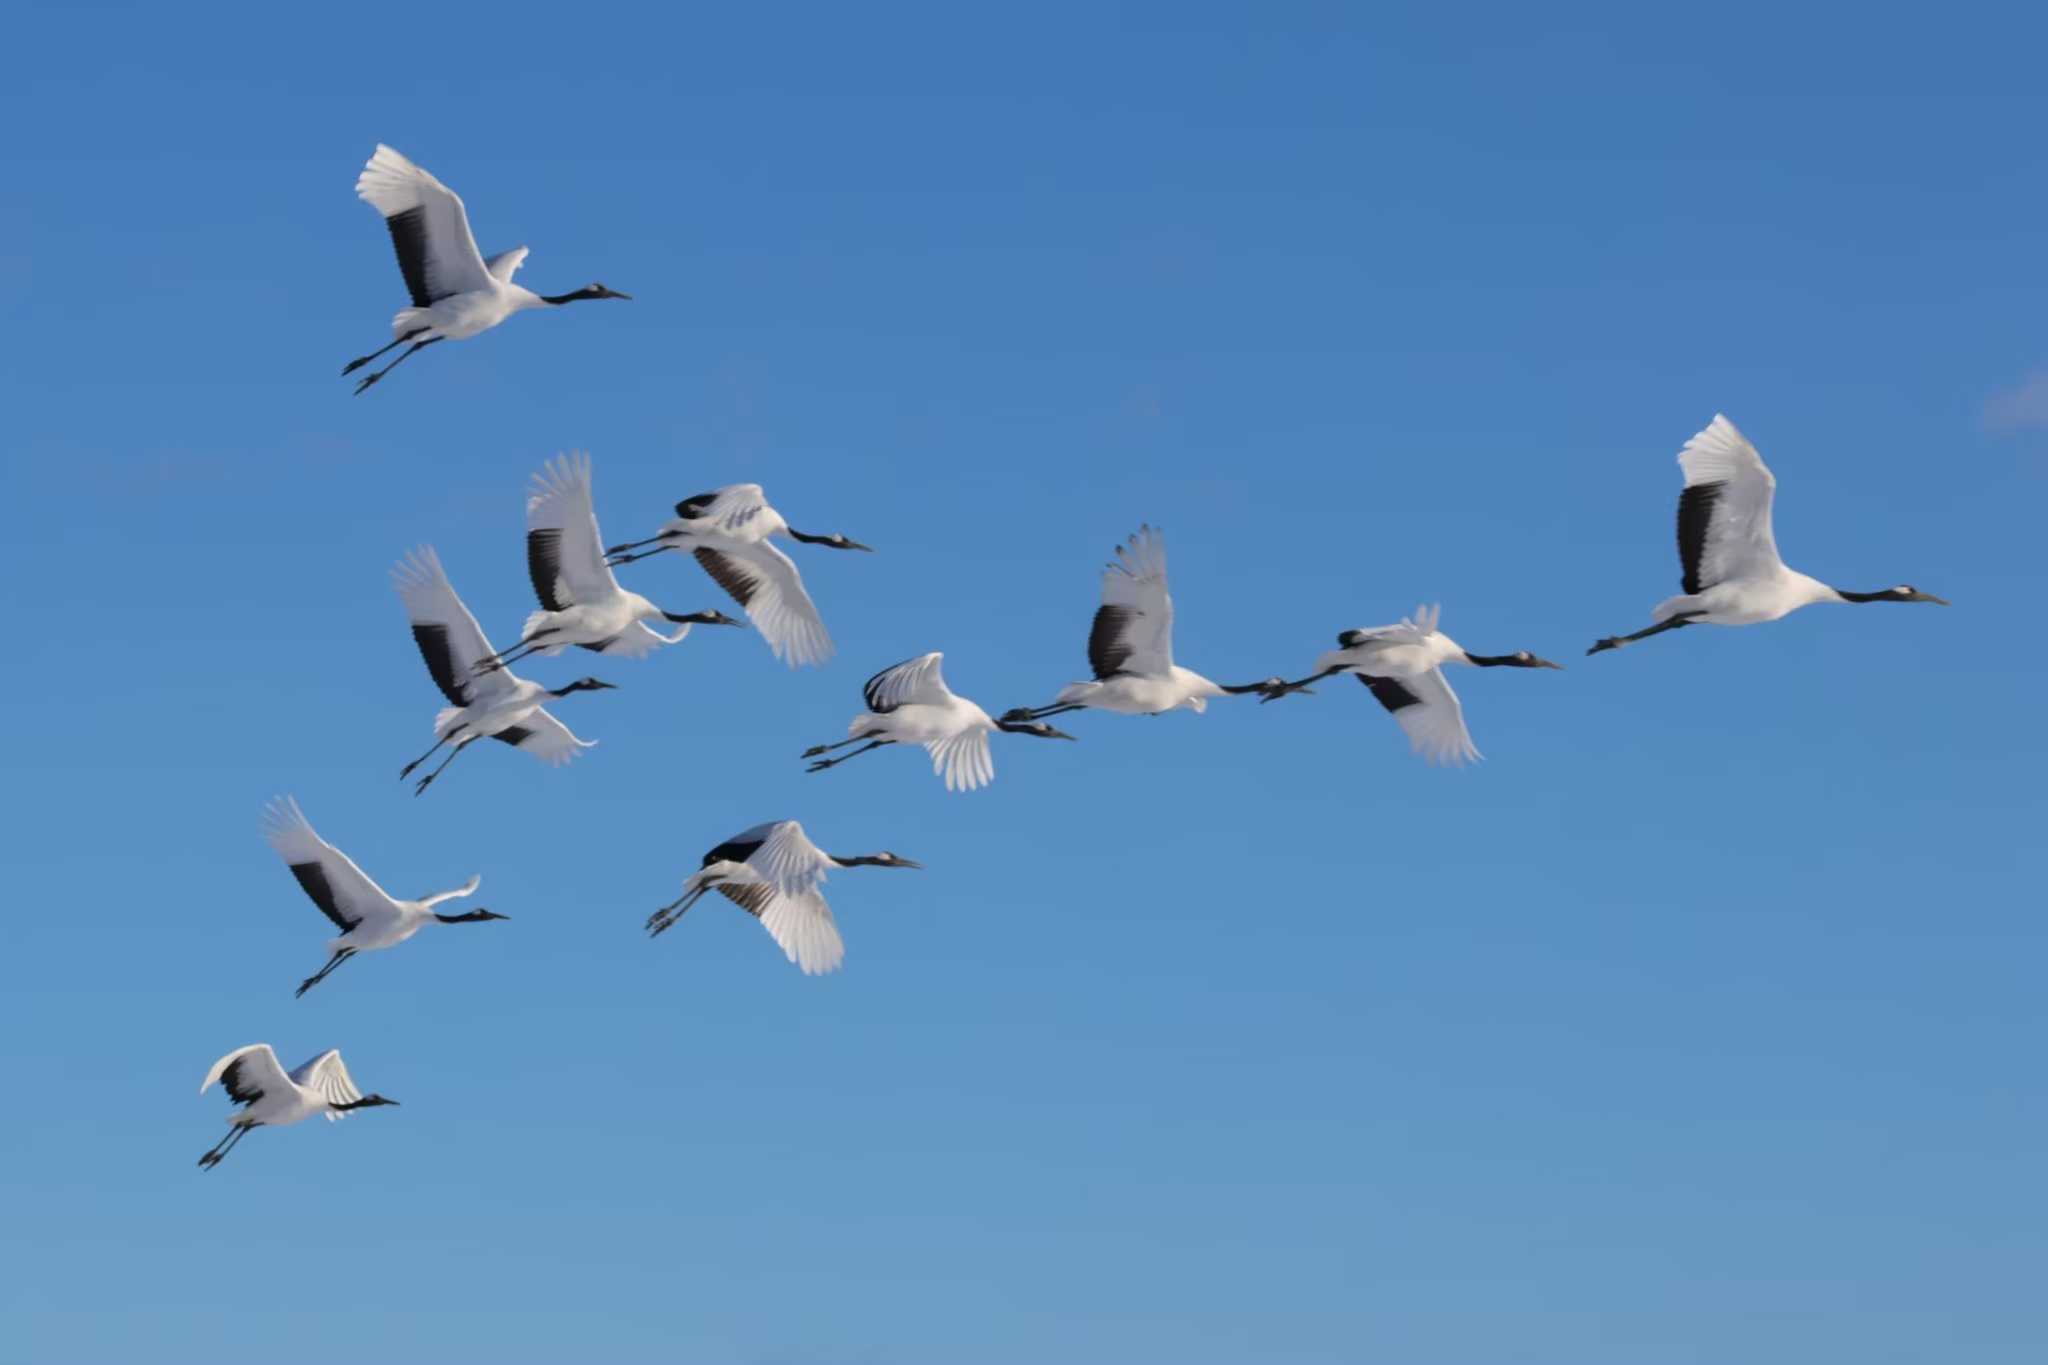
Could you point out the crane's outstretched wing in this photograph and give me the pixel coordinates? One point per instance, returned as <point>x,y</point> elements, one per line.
<point>546,738</point>
<point>1133,630</point>
<point>429,228</point>
<point>789,861</point>
<point>1724,514</point>
<point>912,682</point>
<point>765,582</point>
<point>1429,712</point>
<point>564,551</point>
<point>963,760</point>
<point>327,1076</point>
<point>505,264</point>
<point>248,1074</point>
<point>330,879</point>
<point>802,926</point>
<point>732,510</point>
<point>449,638</point>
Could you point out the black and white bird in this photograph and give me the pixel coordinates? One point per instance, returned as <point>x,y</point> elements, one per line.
<point>367,916</point>
<point>581,602</point>
<point>1130,646</point>
<point>1732,573</point>
<point>774,873</point>
<point>269,1097</point>
<point>494,705</point>
<point>1403,666</point>
<point>456,293</point>
<point>910,703</point>
<point>728,530</point>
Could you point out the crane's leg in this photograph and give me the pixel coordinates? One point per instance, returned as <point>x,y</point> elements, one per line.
<point>376,375</point>
<point>1617,641</point>
<point>406,771</point>
<point>817,749</point>
<point>618,556</point>
<point>825,763</point>
<point>428,780</point>
<point>363,360</point>
<point>673,911</point>
<point>513,654</point>
<point>1041,712</point>
<point>341,955</point>
<point>663,540</point>
<point>1274,693</point>
<point>226,1145</point>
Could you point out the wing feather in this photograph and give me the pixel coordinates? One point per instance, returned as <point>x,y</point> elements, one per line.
<point>1133,629</point>
<point>913,682</point>
<point>247,1074</point>
<point>330,878</point>
<point>546,738</point>
<point>448,637</point>
<point>564,548</point>
<point>328,1076</point>
<point>1724,514</point>
<point>429,228</point>
<point>765,582</point>
<point>1429,712</point>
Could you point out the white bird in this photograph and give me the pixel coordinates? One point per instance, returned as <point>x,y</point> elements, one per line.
<point>1130,646</point>
<point>728,530</point>
<point>910,703</point>
<point>581,602</point>
<point>1733,576</point>
<point>455,292</point>
<point>494,705</point>
<point>270,1098</point>
<point>367,916</point>
<point>774,872</point>
<point>1403,665</point>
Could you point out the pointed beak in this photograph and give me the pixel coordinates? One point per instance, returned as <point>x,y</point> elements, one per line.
<point>1051,733</point>
<point>1545,663</point>
<point>719,618</point>
<point>1930,597</point>
<point>615,294</point>
<point>856,545</point>
<point>908,862</point>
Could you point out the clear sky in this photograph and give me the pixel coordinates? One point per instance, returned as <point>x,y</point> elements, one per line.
<point>1700,1023</point>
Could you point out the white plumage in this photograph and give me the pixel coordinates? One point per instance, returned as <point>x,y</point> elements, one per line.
<point>581,601</point>
<point>1130,645</point>
<point>455,292</point>
<point>270,1097</point>
<point>909,703</point>
<point>728,531</point>
<point>776,874</point>
<point>491,705</point>
<point>367,916</point>
<point>1731,571</point>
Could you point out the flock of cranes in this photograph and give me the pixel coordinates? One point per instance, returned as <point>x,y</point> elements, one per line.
<point>1730,567</point>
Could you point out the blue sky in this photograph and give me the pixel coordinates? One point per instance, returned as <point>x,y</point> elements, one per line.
<point>1699,1023</point>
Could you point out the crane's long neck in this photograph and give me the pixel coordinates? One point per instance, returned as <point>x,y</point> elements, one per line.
<point>858,860</point>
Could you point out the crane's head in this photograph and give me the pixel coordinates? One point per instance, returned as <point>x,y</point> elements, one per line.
<point>373,1101</point>
<point>702,618</point>
<point>476,916</point>
<point>1031,727</point>
<point>887,859</point>
<point>584,685</point>
<point>592,290</point>
<point>1521,658</point>
<point>1905,592</point>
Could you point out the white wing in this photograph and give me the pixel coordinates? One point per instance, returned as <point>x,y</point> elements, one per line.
<point>564,551</point>
<point>1429,711</point>
<point>546,738</point>
<point>329,1078</point>
<point>1133,630</point>
<point>638,641</point>
<point>248,1074</point>
<point>449,638</point>
<point>963,759</point>
<point>429,228</point>
<point>1724,514</point>
<point>763,580</point>
<point>802,926</point>
<point>732,509</point>
<point>505,264</point>
<point>330,879</point>
<point>789,861</point>
<point>912,682</point>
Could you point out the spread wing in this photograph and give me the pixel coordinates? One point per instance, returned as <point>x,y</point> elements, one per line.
<point>802,926</point>
<point>449,638</point>
<point>765,582</point>
<point>564,550</point>
<point>327,1076</point>
<point>429,228</point>
<point>505,264</point>
<point>546,738</point>
<point>912,682</point>
<point>248,1074</point>
<point>1428,710</point>
<point>963,759</point>
<point>1724,514</point>
<point>789,861</point>
<point>1133,630</point>
<point>733,509</point>
<point>331,880</point>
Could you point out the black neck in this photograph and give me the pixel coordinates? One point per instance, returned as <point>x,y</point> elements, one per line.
<point>1865,596</point>
<point>561,692</point>
<point>795,534</point>
<point>567,298</point>
<point>1491,660</point>
<point>859,860</point>
<point>472,917</point>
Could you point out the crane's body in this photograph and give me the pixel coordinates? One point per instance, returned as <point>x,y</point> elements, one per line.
<point>270,1097</point>
<point>493,704</point>
<point>1732,573</point>
<point>368,916</point>
<point>1130,645</point>
<point>730,532</point>
<point>776,874</point>
<point>456,294</point>
<point>909,703</point>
